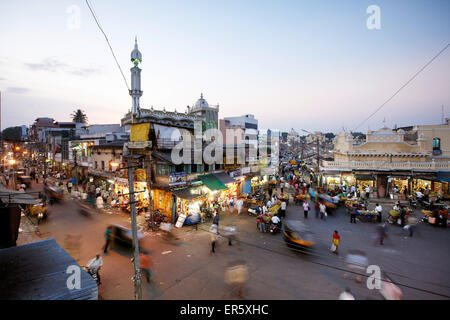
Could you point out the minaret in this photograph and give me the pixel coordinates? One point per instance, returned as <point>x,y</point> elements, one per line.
<point>135,92</point>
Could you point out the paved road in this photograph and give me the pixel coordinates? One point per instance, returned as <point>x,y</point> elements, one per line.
<point>187,269</point>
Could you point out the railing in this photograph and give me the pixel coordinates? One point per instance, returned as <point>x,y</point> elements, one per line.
<point>164,143</point>
<point>408,165</point>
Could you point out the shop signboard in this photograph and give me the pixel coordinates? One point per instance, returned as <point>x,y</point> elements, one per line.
<point>139,144</point>
<point>141,175</point>
<point>235,173</point>
<point>180,221</point>
<point>245,170</point>
<point>177,178</point>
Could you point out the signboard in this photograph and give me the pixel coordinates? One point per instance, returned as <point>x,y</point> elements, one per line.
<point>139,144</point>
<point>177,178</point>
<point>141,175</point>
<point>245,170</point>
<point>180,221</point>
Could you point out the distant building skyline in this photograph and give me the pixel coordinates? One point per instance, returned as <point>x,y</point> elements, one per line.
<point>315,66</point>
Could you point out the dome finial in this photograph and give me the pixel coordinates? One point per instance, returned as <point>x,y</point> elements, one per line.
<point>201,95</point>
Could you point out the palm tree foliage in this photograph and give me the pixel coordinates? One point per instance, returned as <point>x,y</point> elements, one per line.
<point>79,116</point>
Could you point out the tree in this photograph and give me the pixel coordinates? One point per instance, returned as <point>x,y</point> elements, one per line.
<point>79,116</point>
<point>13,134</point>
<point>330,135</point>
<point>359,134</point>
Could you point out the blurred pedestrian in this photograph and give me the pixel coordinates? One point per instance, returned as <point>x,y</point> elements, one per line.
<point>382,233</point>
<point>322,210</point>
<point>336,240</point>
<point>107,239</point>
<point>230,233</point>
<point>346,295</point>
<point>146,263</point>
<point>353,215</point>
<point>216,219</point>
<point>283,209</point>
<point>379,211</point>
<point>213,237</point>
<point>236,276</point>
<point>305,209</point>
<point>239,205</point>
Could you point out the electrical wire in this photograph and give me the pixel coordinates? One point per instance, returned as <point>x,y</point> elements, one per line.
<point>403,86</point>
<point>107,40</point>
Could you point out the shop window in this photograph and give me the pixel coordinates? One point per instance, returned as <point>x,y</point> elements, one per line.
<point>187,168</point>
<point>437,146</point>
<point>103,165</point>
<point>200,168</point>
<point>162,169</point>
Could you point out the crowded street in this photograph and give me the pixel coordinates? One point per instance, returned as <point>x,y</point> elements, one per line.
<point>186,269</point>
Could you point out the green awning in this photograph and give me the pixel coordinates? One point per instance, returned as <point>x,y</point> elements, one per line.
<point>212,182</point>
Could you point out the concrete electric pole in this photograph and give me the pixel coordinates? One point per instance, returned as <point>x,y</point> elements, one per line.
<point>134,231</point>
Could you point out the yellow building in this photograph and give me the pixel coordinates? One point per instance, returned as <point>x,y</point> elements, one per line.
<point>410,158</point>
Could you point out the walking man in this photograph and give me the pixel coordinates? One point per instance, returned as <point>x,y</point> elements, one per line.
<point>283,209</point>
<point>353,215</point>
<point>145,262</point>
<point>379,210</point>
<point>213,234</point>
<point>305,209</point>
<point>107,239</point>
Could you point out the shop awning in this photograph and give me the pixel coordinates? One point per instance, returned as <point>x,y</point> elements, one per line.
<point>364,177</point>
<point>224,178</point>
<point>212,182</point>
<point>185,194</point>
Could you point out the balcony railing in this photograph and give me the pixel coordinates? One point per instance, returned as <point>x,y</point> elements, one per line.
<point>373,165</point>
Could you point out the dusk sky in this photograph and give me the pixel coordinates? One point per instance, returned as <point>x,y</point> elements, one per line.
<point>293,64</point>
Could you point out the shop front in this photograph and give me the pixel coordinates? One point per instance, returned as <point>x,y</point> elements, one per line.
<point>259,182</point>
<point>122,193</point>
<point>362,181</point>
<point>398,187</point>
<point>189,201</point>
<point>162,201</point>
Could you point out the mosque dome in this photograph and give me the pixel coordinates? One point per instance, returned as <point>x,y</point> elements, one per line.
<point>200,104</point>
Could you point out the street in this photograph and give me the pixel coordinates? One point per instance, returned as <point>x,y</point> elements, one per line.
<point>186,269</point>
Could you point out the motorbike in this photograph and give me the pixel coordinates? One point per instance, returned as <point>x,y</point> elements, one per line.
<point>255,211</point>
<point>412,202</point>
<point>158,218</point>
<point>93,274</point>
<point>274,228</point>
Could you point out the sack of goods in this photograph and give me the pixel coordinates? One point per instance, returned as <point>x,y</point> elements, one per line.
<point>333,248</point>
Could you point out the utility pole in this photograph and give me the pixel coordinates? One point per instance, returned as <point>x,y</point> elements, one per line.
<point>137,269</point>
<point>318,159</point>
<point>150,187</point>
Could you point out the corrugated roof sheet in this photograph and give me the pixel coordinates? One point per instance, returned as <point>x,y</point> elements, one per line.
<point>37,271</point>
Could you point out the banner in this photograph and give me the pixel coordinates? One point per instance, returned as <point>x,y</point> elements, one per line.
<point>139,132</point>
<point>141,175</point>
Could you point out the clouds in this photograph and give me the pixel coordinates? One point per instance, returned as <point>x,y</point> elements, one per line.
<point>53,64</point>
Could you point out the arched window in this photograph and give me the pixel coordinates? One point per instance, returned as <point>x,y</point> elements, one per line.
<point>436,144</point>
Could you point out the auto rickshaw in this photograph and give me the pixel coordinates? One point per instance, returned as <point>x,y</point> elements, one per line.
<point>56,193</point>
<point>26,180</point>
<point>297,235</point>
<point>37,210</point>
<point>121,234</point>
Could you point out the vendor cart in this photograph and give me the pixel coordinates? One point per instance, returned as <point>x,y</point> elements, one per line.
<point>366,215</point>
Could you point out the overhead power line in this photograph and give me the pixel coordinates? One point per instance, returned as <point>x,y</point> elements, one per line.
<point>107,40</point>
<point>408,82</point>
